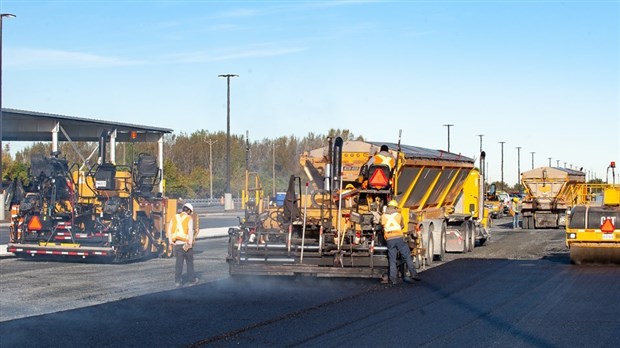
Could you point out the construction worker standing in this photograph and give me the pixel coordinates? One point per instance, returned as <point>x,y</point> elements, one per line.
<point>516,209</point>
<point>392,222</point>
<point>181,236</point>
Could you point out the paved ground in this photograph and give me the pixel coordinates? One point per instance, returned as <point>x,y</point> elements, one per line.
<point>519,291</point>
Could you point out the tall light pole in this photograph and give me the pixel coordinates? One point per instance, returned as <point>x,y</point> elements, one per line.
<point>448,125</point>
<point>228,76</point>
<point>2,15</point>
<point>557,163</point>
<point>518,164</point>
<point>483,165</point>
<point>549,161</point>
<point>273,170</point>
<point>532,159</point>
<point>502,142</point>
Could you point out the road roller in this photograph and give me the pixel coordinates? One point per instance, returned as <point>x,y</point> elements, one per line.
<point>593,232</point>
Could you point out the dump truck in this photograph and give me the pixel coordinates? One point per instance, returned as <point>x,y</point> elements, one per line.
<point>593,231</point>
<point>329,224</point>
<point>108,212</point>
<point>546,189</point>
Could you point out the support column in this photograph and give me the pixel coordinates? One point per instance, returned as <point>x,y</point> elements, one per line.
<point>160,160</point>
<point>113,146</point>
<point>55,137</point>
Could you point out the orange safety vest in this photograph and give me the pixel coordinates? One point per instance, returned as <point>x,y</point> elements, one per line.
<point>392,225</point>
<point>384,159</point>
<point>180,228</point>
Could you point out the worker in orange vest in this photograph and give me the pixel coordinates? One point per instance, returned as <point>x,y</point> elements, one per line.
<point>392,222</point>
<point>383,157</point>
<point>181,236</point>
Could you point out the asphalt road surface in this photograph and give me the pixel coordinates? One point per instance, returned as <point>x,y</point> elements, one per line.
<point>519,290</point>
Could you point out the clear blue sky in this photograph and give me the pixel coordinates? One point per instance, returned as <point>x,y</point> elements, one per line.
<point>542,75</point>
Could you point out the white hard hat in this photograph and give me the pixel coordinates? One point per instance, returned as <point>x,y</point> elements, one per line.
<point>188,206</point>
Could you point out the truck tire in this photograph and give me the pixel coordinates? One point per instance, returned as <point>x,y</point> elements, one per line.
<point>466,231</point>
<point>472,237</point>
<point>442,242</point>
<point>430,246</point>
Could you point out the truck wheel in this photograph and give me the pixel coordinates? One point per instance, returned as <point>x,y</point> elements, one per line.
<point>466,231</point>
<point>472,237</point>
<point>430,246</point>
<point>442,242</point>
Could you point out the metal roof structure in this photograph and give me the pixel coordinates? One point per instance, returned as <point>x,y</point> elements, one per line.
<point>21,125</point>
<point>416,152</point>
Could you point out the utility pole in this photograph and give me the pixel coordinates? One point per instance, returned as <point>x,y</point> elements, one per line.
<point>228,76</point>
<point>483,165</point>
<point>480,135</point>
<point>448,125</point>
<point>2,207</point>
<point>502,142</point>
<point>211,142</point>
<point>518,165</point>
<point>273,170</point>
<point>532,159</point>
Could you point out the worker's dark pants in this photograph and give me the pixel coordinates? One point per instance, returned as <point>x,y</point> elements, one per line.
<point>395,245</point>
<point>187,256</point>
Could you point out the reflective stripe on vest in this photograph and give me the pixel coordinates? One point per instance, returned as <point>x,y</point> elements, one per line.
<point>386,160</point>
<point>392,225</point>
<point>180,228</point>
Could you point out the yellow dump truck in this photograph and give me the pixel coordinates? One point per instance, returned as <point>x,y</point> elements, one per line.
<point>544,205</point>
<point>329,223</point>
<point>593,231</point>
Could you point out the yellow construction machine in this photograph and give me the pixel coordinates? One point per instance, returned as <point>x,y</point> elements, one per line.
<point>593,230</point>
<point>329,224</point>
<point>108,213</point>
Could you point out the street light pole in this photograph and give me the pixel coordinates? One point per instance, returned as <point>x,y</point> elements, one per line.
<point>549,161</point>
<point>228,76</point>
<point>2,207</point>
<point>518,164</point>
<point>273,170</point>
<point>502,142</point>
<point>448,125</point>
<point>480,135</point>
<point>532,159</point>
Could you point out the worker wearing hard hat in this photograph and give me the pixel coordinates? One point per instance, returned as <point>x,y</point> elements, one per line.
<point>516,210</point>
<point>383,157</point>
<point>181,236</point>
<point>392,222</point>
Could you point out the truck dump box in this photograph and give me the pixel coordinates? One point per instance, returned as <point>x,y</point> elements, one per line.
<point>547,189</point>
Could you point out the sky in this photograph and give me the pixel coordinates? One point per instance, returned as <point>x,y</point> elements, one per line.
<point>540,75</point>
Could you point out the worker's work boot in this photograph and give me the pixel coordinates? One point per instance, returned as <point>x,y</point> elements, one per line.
<point>414,278</point>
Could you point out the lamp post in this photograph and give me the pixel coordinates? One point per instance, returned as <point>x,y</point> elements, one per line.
<point>532,159</point>
<point>549,161</point>
<point>228,76</point>
<point>273,170</point>
<point>518,164</point>
<point>502,142</point>
<point>448,125</point>
<point>483,164</point>
<point>2,15</point>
